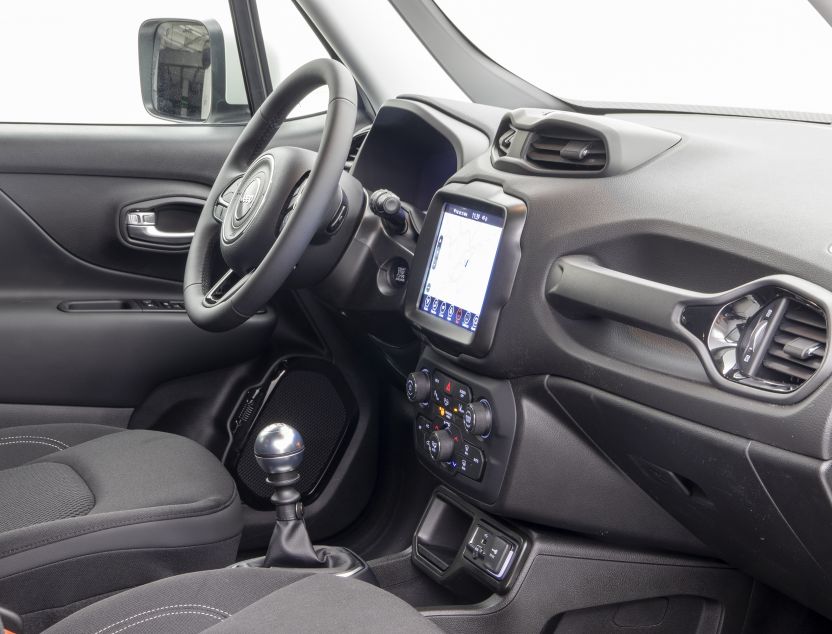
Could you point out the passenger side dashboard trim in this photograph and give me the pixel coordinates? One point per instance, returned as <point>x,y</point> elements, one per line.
<point>580,287</point>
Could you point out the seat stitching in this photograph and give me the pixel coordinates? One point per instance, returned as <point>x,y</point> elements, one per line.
<point>55,440</point>
<point>159,616</point>
<point>165,607</point>
<point>31,442</point>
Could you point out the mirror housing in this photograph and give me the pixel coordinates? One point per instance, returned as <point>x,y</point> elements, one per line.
<point>182,71</point>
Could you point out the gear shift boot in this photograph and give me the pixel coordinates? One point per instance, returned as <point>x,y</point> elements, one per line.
<point>279,452</point>
<point>290,547</point>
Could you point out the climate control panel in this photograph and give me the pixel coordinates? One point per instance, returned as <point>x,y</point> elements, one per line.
<point>453,426</point>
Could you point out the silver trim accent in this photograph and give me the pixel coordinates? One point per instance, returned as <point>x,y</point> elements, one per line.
<point>506,564</point>
<point>211,299</point>
<point>352,572</point>
<point>278,448</point>
<point>271,387</point>
<point>141,226</point>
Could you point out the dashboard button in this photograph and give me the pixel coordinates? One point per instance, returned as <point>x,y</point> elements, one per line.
<point>463,393</point>
<point>477,543</point>
<point>471,461</point>
<point>452,465</point>
<point>443,383</point>
<point>497,551</point>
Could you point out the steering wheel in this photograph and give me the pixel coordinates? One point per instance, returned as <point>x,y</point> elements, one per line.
<point>281,198</point>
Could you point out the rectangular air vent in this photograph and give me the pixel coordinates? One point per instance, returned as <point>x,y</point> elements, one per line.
<point>799,345</point>
<point>355,147</point>
<point>571,151</point>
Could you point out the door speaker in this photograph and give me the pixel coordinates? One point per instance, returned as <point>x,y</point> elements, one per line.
<point>313,397</point>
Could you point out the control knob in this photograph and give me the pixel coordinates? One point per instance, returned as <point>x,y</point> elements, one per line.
<point>417,386</point>
<point>441,445</point>
<point>477,418</point>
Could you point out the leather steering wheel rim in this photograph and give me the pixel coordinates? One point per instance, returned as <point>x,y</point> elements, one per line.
<point>257,286</point>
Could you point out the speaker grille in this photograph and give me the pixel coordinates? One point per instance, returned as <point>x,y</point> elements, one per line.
<point>309,402</point>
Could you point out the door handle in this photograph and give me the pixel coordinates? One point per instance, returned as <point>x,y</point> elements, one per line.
<point>160,224</point>
<point>141,226</point>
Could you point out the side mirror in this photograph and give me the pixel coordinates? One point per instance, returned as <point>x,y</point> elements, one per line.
<point>182,68</point>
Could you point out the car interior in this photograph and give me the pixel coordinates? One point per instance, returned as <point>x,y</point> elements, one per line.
<point>447,354</point>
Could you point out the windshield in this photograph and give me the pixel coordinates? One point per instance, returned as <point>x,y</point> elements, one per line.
<point>758,54</point>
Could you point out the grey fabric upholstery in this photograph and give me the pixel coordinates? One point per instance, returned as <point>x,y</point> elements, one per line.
<point>19,445</point>
<point>93,510</point>
<point>250,600</point>
<point>42,493</point>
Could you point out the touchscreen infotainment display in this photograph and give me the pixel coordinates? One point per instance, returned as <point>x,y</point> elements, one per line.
<point>460,265</point>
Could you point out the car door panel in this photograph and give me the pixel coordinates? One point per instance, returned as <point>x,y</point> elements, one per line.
<point>81,214</point>
<point>62,191</point>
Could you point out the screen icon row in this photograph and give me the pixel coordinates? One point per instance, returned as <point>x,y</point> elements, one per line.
<point>450,313</point>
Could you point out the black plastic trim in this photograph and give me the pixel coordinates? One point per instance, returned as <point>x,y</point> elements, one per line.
<point>253,60</point>
<point>461,565</point>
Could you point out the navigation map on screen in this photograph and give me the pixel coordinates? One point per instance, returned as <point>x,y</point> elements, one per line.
<point>460,265</point>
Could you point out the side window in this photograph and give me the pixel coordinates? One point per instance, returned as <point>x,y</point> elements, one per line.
<point>89,64</point>
<point>79,62</point>
<point>290,42</point>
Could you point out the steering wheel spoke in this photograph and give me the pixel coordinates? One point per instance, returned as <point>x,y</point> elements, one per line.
<point>228,284</point>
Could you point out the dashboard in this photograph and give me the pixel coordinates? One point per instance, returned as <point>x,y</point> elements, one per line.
<point>621,322</point>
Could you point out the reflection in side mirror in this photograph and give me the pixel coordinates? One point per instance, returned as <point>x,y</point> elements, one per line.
<point>181,80</point>
<point>182,71</point>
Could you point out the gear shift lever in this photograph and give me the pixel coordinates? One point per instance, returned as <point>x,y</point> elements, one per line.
<point>278,450</point>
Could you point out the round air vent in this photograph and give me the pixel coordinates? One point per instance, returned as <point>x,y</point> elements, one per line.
<point>771,340</point>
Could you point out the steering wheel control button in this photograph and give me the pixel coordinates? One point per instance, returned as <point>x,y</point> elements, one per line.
<point>219,211</point>
<point>417,386</point>
<point>477,418</point>
<point>228,195</point>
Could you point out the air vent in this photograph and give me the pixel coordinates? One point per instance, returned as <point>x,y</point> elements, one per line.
<point>355,147</point>
<point>504,142</point>
<point>568,151</point>
<point>798,346</point>
<point>771,340</point>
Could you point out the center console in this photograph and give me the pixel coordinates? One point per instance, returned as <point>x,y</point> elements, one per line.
<point>462,275</point>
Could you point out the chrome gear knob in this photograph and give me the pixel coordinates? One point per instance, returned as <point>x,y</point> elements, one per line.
<point>278,449</point>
